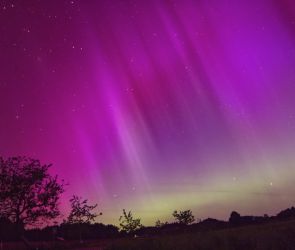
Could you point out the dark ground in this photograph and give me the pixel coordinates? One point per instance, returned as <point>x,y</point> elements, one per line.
<point>277,235</point>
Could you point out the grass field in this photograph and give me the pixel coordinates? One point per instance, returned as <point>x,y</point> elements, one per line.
<point>270,236</point>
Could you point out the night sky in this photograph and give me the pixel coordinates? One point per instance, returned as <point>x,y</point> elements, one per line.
<point>154,105</point>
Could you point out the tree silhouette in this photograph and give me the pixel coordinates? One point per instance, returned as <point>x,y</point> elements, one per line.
<point>81,211</point>
<point>28,193</point>
<point>128,223</point>
<point>184,217</point>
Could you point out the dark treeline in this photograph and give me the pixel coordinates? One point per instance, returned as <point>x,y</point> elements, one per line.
<point>30,195</point>
<point>59,232</point>
<point>93,231</point>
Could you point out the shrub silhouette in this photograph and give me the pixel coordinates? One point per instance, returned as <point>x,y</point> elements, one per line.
<point>287,213</point>
<point>184,217</point>
<point>235,218</point>
<point>128,223</point>
<point>160,224</point>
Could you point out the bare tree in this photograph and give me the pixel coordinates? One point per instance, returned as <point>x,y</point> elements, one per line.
<point>28,193</point>
<point>184,217</point>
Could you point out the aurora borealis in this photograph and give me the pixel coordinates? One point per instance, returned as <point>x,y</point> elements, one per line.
<point>154,105</point>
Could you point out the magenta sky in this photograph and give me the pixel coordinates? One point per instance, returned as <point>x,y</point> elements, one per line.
<point>154,105</point>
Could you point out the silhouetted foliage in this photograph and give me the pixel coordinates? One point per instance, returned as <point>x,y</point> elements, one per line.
<point>28,193</point>
<point>234,218</point>
<point>287,213</point>
<point>81,211</point>
<point>210,224</point>
<point>237,220</point>
<point>160,224</point>
<point>81,214</point>
<point>90,231</point>
<point>184,217</point>
<point>193,234</point>
<point>128,223</point>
